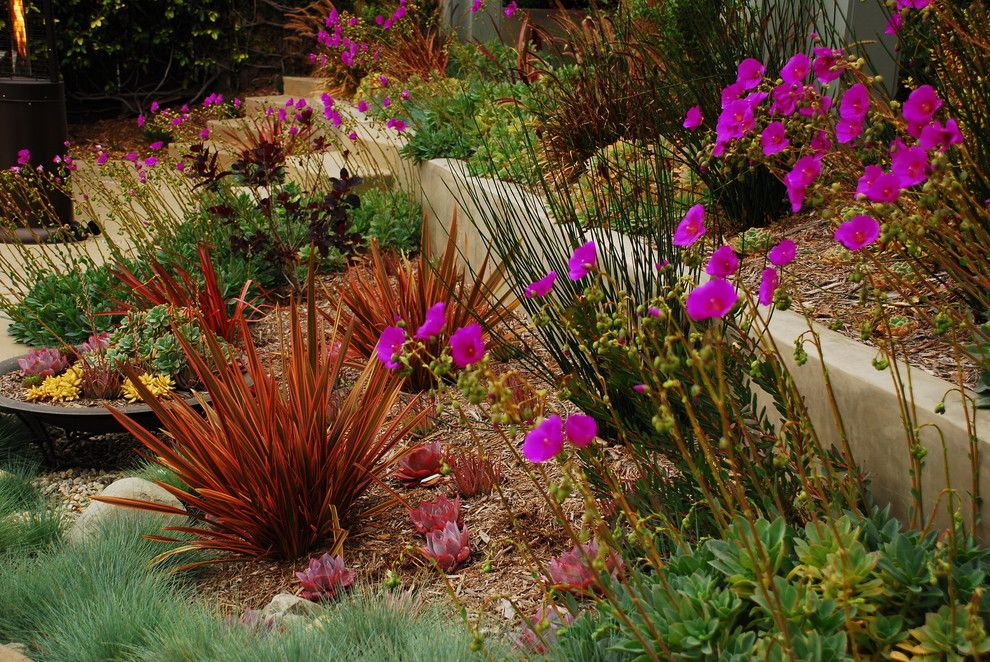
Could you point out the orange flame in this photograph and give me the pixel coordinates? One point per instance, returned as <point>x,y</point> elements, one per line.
<point>19,27</point>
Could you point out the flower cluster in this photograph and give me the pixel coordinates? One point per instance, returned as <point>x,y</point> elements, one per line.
<point>467,344</point>
<point>546,440</point>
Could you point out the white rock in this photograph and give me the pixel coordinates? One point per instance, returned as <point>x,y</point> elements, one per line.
<point>286,604</point>
<point>98,513</point>
<point>14,653</point>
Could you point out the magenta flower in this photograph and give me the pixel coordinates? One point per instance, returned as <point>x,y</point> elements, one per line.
<point>386,102</point>
<point>157,145</point>
<point>796,69</point>
<point>774,138</point>
<point>544,441</point>
<point>712,299</point>
<point>405,93</point>
<point>783,253</point>
<point>796,195</point>
<point>821,143</point>
<point>383,81</point>
<point>694,118</point>
<point>583,261</point>
<point>870,174</point>
<point>476,6</point>
<point>731,92</point>
<point>886,187</point>
<point>541,287</point>
<point>397,124</point>
<point>910,164</point>
<point>154,106</point>
<point>827,66</point>
<point>921,105</point>
<point>23,156</point>
<point>151,161</point>
<point>735,121</point>
<point>805,171</point>
<point>894,23</point>
<point>858,232</point>
<point>691,227</point>
<point>362,106</point>
<point>750,73</point>
<point>580,429</point>
<point>102,158</point>
<point>785,99</point>
<point>390,345</point>
<point>941,136</point>
<point>352,135</point>
<point>434,323</point>
<point>140,121</point>
<point>723,262</point>
<point>769,282</point>
<point>847,131</point>
<point>855,103</point>
<point>467,346</point>
<point>511,8</point>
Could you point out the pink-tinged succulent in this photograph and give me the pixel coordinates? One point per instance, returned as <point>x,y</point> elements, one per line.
<point>95,343</point>
<point>448,546</point>
<point>573,571</point>
<point>325,578</point>
<point>252,619</point>
<point>539,631</point>
<point>422,462</point>
<point>434,515</point>
<point>43,363</point>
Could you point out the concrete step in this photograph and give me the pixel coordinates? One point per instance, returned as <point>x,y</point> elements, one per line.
<point>308,87</point>
<point>254,105</point>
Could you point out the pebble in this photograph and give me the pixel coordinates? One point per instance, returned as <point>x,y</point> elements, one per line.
<point>72,488</point>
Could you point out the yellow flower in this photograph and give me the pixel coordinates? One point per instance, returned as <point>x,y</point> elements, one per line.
<point>58,388</point>
<point>159,385</point>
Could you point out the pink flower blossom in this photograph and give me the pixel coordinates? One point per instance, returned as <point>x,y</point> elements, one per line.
<point>541,287</point>
<point>731,92</point>
<point>102,158</point>
<point>785,99</point>
<point>390,345</point>
<point>434,322</point>
<point>735,121</point>
<point>581,429</point>
<point>941,136</point>
<point>204,134</point>
<point>821,143</point>
<point>723,262</point>
<point>783,253</point>
<point>511,8</point>
<point>921,105</point>
<point>870,174</point>
<point>352,135</point>
<point>774,138</point>
<point>154,106</point>
<point>476,6</point>
<point>467,345</point>
<point>151,161</point>
<point>583,261</point>
<point>383,81</point>
<point>847,131</point>
<point>894,23</point>
<point>750,73</point>
<point>180,166</point>
<point>694,118</point>
<point>769,282</point>
<point>386,102</point>
<point>362,106</point>
<point>157,145</point>
<point>805,171</point>
<point>796,194</point>
<point>910,164</point>
<point>140,121</point>
<point>858,232</point>
<point>886,187</point>
<point>691,227</point>
<point>796,69</point>
<point>23,156</point>
<point>855,103</point>
<point>827,65</point>
<point>544,441</point>
<point>712,299</point>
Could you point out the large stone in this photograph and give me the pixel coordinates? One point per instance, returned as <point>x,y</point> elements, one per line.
<point>285,605</point>
<point>14,653</point>
<point>97,514</point>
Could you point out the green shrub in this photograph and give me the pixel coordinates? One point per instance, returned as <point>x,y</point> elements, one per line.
<point>854,583</point>
<point>393,218</point>
<point>65,307</point>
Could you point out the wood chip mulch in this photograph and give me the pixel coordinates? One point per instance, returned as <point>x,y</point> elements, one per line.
<point>819,284</point>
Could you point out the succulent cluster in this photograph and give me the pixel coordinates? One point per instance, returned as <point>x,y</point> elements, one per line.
<point>58,388</point>
<point>325,578</point>
<point>577,569</point>
<point>45,362</point>
<point>422,462</point>
<point>441,522</point>
<point>160,386</point>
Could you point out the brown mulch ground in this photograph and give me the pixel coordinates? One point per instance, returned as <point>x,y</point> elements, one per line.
<point>820,286</point>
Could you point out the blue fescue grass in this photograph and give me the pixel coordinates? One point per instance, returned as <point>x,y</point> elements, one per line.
<point>101,600</point>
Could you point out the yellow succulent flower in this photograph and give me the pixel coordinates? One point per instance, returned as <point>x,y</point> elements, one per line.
<point>58,388</point>
<point>159,385</point>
